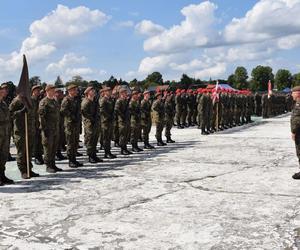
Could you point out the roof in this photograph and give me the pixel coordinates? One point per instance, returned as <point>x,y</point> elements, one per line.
<point>221,86</point>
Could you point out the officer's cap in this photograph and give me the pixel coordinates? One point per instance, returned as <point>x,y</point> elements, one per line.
<point>50,86</point>
<point>72,86</point>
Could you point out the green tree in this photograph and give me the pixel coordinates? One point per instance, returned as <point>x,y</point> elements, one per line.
<point>240,78</point>
<point>58,82</point>
<point>155,77</point>
<point>260,78</point>
<point>186,81</point>
<point>231,80</point>
<point>296,80</point>
<point>35,80</point>
<point>283,79</point>
<point>78,80</point>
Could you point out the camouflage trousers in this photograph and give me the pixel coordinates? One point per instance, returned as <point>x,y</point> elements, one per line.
<point>4,150</point>
<point>183,117</point>
<point>146,128</point>
<point>38,148</point>
<point>91,134</point>
<point>297,144</point>
<point>50,144</point>
<point>178,116</point>
<point>107,133</point>
<point>123,134</point>
<point>19,140</point>
<point>72,132</point>
<point>168,126</point>
<point>135,128</point>
<point>159,129</point>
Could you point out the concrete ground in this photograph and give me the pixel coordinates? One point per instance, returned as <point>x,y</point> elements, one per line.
<point>230,190</point>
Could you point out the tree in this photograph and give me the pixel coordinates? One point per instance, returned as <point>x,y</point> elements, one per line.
<point>240,78</point>
<point>78,80</point>
<point>260,78</point>
<point>296,80</point>
<point>35,80</point>
<point>186,81</point>
<point>231,80</point>
<point>155,77</point>
<point>283,79</point>
<point>58,82</point>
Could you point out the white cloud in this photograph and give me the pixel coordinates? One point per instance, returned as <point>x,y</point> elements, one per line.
<point>126,24</point>
<point>195,31</point>
<point>50,33</point>
<point>148,28</point>
<point>215,71</point>
<point>66,61</point>
<point>79,71</point>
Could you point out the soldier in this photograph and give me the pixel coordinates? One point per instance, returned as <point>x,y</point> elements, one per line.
<point>178,103</point>
<point>169,116</point>
<point>265,104</point>
<point>91,123</point>
<point>135,121</point>
<point>4,138</point>
<point>122,113</point>
<point>59,96</point>
<point>159,116</point>
<point>17,111</point>
<point>184,108</point>
<point>107,120</point>
<point>70,109</point>
<point>49,124</point>
<point>295,124</point>
<point>7,99</point>
<point>146,122</point>
<point>38,152</point>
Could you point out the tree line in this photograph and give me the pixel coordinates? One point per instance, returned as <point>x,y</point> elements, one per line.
<point>239,79</point>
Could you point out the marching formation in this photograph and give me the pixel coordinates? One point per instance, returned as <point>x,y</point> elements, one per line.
<point>55,121</point>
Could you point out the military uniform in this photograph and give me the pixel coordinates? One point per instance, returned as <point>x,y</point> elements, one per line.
<point>70,109</point>
<point>169,108</point>
<point>17,111</point>
<point>146,122</point>
<point>158,118</point>
<point>135,123</point>
<point>4,141</point>
<point>49,124</point>
<point>91,119</point>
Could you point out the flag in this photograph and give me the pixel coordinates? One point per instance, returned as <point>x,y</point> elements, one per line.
<point>215,94</point>
<point>23,89</point>
<point>269,89</point>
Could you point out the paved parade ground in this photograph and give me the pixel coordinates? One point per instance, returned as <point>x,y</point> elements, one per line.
<point>230,190</point>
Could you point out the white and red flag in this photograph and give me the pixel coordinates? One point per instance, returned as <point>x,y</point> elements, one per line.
<point>215,94</point>
<point>269,89</point>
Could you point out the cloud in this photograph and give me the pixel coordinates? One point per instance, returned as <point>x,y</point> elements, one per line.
<point>50,34</point>
<point>148,28</point>
<point>196,45</point>
<point>126,24</point>
<point>67,60</point>
<point>79,71</point>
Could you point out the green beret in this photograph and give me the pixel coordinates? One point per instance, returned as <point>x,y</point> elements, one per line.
<point>72,86</point>
<point>50,86</point>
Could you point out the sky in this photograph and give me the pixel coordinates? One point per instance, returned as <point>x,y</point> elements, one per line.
<point>131,39</point>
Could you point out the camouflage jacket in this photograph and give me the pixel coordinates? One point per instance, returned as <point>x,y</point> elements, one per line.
<point>295,119</point>
<point>4,119</point>
<point>49,115</point>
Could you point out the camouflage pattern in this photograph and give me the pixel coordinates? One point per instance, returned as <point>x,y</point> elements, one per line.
<point>4,134</point>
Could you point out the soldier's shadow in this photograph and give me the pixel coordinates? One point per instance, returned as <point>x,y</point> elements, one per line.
<point>92,171</point>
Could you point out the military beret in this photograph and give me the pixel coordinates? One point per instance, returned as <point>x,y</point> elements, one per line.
<point>146,92</point>
<point>50,86</point>
<point>4,85</point>
<point>158,94</point>
<point>297,88</point>
<point>88,89</point>
<point>58,90</point>
<point>134,92</point>
<point>72,86</point>
<point>36,87</point>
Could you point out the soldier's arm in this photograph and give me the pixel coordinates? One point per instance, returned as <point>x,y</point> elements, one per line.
<point>85,108</point>
<point>43,115</point>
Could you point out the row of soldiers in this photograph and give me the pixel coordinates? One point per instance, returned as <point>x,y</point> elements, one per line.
<point>55,120</point>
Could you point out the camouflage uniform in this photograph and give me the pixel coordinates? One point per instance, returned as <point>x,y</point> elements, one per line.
<point>146,122</point>
<point>49,124</point>
<point>169,117</point>
<point>158,118</point>
<point>38,148</point>
<point>17,111</point>
<point>135,124</point>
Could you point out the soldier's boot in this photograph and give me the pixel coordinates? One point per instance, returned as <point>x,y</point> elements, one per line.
<point>160,143</point>
<point>296,176</point>
<point>10,158</point>
<point>117,144</point>
<point>78,154</point>
<point>124,151</point>
<point>50,169</point>
<point>135,148</point>
<point>179,126</point>
<point>39,160</point>
<point>4,180</point>
<point>109,155</point>
<point>72,162</point>
<point>59,156</point>
<point>55,167</point>
<point>78,163</point>
<point>34,174</point>
<point>92,159</point>
<point>147,145</point>
<point>169,140</point>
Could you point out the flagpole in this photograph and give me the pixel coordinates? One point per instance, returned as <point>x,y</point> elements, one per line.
<point>27,145</point>
<point>217,116</point>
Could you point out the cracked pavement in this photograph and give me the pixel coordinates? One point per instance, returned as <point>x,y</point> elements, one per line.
<point>230,190</point>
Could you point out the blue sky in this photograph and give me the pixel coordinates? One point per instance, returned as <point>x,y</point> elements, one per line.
<point>130,39</point>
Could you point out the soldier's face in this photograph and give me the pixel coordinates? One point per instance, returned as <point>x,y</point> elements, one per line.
<point>92,94</point>
<point>73,92</point>
<point>296,95</point>
<point>147,96</point>
<point>5,92</point>
<point>51,93</point>
<point>2,93</point>
<point>36,92</point>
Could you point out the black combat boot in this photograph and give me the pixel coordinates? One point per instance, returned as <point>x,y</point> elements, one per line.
<point>39,160</point>
<point>50,169</point>
<point>78,154</point>
<point>4,180</point>
<point>72,162</point>
<point>169,140</point>
<point>124,151</point>
<point>161,143</point>
<point>117,144</point>
<point>34,174</point>
<point>59,156</point>
<point>78,163</point>
<point>296,176</point>
<point>147,145</point>
<point>55,167</point>
<point>135,148</point>
<point>109,155</point>
<point>92,159</point>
